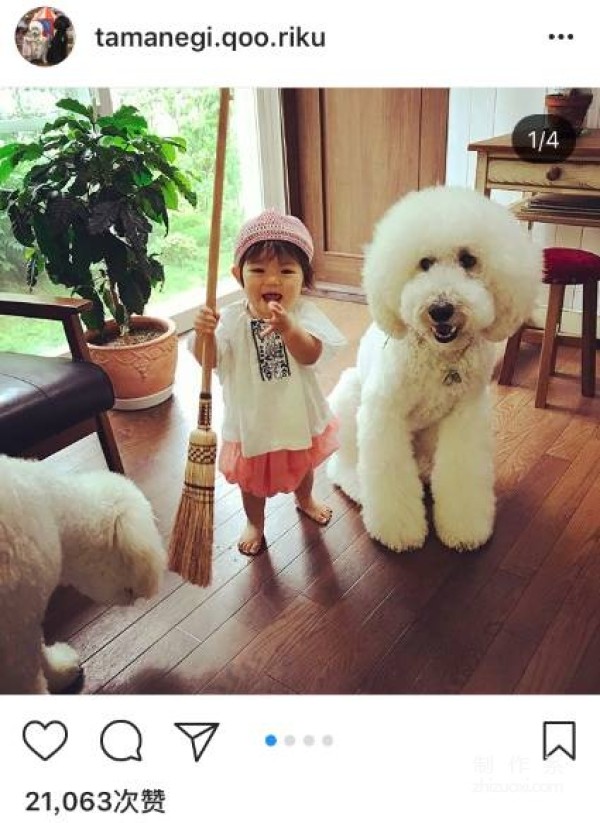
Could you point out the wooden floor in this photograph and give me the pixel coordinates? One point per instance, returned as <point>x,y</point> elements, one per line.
<point>327,610</point>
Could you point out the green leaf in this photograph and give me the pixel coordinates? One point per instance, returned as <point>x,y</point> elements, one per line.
<point>95,245</point>
<point>6,169</point>
<point>56,143</point>
<point>93,319</point>
<point>155,159</point>
<point>59,174</point>
<point>169,191</point>
<point>103,215</point>
<point>55,248</point>
<point>62,211</point>
<point>142,176</point>
<point>9,149</point>
<point>127,118</point>
<point>124,112</point>
<point>153,203</point>
<point>134,291</point>
<point>156,271</point>
<point>78,186</point>
<point>39,172</point>
<point>33,270</point>
<point>123,183</point>
<point>76,107</point>
<point>81,257</point>
<point>108,141</point>
<point>115,254</point>
<point>169,152</point>
<point>57,124</point>
<point>113,130</point>
<point>29,151</point>
<point>107,298</point>
<point>136,228</point>
<point>22,228</point>
<point>184,187</point>
<point>180,142</point>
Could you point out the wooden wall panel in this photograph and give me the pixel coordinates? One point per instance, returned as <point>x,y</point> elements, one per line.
<point>351,154</point>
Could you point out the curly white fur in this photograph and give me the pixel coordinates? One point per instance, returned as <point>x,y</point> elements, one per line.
<point>94,531</point>
<point>448,273</point>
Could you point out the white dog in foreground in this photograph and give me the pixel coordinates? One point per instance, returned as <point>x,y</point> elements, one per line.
<point>448,274</point>
<point>94,531</point>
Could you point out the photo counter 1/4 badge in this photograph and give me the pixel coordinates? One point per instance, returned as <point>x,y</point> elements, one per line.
<point>544,138</point>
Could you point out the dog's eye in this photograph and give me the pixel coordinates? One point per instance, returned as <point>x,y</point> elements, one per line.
<point>466,260</point>
<point>426,263</point>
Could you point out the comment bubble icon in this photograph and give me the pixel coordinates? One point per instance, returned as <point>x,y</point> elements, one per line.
<point>121,740</point>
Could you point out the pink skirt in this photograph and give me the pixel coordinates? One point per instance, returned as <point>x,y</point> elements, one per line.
<point>281,471</point>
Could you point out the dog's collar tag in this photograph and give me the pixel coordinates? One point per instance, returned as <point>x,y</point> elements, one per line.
<point>451,377</point>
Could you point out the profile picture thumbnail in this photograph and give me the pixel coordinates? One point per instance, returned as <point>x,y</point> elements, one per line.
<point>45,36</point>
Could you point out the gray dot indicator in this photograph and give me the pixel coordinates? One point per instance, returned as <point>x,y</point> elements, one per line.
<point>327,740</point>
<point>289,740</point>
<point>309,740</point>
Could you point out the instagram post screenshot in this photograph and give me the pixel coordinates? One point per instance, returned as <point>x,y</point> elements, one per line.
<point>299,413</point>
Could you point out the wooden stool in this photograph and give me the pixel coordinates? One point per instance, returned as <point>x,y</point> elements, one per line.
<point>562,267</point>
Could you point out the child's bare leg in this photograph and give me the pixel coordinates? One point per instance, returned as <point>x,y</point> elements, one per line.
<point>305,501</point>
<point>252,538</point>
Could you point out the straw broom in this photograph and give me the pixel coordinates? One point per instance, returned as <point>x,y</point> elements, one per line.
<point>190,549</point>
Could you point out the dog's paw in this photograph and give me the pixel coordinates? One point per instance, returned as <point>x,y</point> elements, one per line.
<point>62,666</point>
<point>464,524</point>
<point>399,544</point>
<point>397,534</point>
<point>463,535</point>
<point>344,476</point>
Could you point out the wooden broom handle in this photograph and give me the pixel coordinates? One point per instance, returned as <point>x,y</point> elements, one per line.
<point>215,235</point>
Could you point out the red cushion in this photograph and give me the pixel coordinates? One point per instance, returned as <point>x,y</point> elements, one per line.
<point>569,266</point>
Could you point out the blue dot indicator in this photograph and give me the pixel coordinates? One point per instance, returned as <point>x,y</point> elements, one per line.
<point>270,740</point>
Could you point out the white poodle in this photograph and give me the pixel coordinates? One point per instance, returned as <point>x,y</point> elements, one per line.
<point>94,531</point>
<point>448,273</point>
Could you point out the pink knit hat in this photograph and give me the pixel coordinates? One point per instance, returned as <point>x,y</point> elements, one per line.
<point>272,225</point>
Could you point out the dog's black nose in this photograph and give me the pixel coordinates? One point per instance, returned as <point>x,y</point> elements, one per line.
<point>441,312</point>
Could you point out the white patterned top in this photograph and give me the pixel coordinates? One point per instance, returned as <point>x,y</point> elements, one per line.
<point>272,402</point>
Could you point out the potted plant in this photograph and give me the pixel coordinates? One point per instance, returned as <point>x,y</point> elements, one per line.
<point>84,212</point>
<point>570,104</point>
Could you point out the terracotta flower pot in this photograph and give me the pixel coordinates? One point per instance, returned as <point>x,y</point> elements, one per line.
<point>143,373</point>
<point>571,107</point>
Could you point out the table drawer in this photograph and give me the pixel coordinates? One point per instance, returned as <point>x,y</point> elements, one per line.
<point>569,176</point>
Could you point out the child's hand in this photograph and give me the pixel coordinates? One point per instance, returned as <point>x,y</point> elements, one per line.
<point>206,321</point>
<point>278,321</point>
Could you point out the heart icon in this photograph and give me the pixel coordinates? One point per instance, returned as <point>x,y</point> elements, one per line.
<point>45,739</point>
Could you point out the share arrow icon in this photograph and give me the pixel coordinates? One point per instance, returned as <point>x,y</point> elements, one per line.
<point>200,734</point>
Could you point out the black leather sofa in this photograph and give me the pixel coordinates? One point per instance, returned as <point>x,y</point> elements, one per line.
<point>47,403</point>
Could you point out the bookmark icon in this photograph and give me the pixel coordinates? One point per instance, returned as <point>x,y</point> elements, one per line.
<point>200,735</point>
<point>559,736</point>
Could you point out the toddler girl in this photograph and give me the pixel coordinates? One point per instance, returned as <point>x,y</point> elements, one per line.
<point>277,425</point>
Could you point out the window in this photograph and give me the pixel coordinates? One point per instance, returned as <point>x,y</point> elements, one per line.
<point>190,113</point>
<point>23,113</point>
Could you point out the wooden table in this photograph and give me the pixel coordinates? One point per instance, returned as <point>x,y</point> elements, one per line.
<point>499,167</point>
